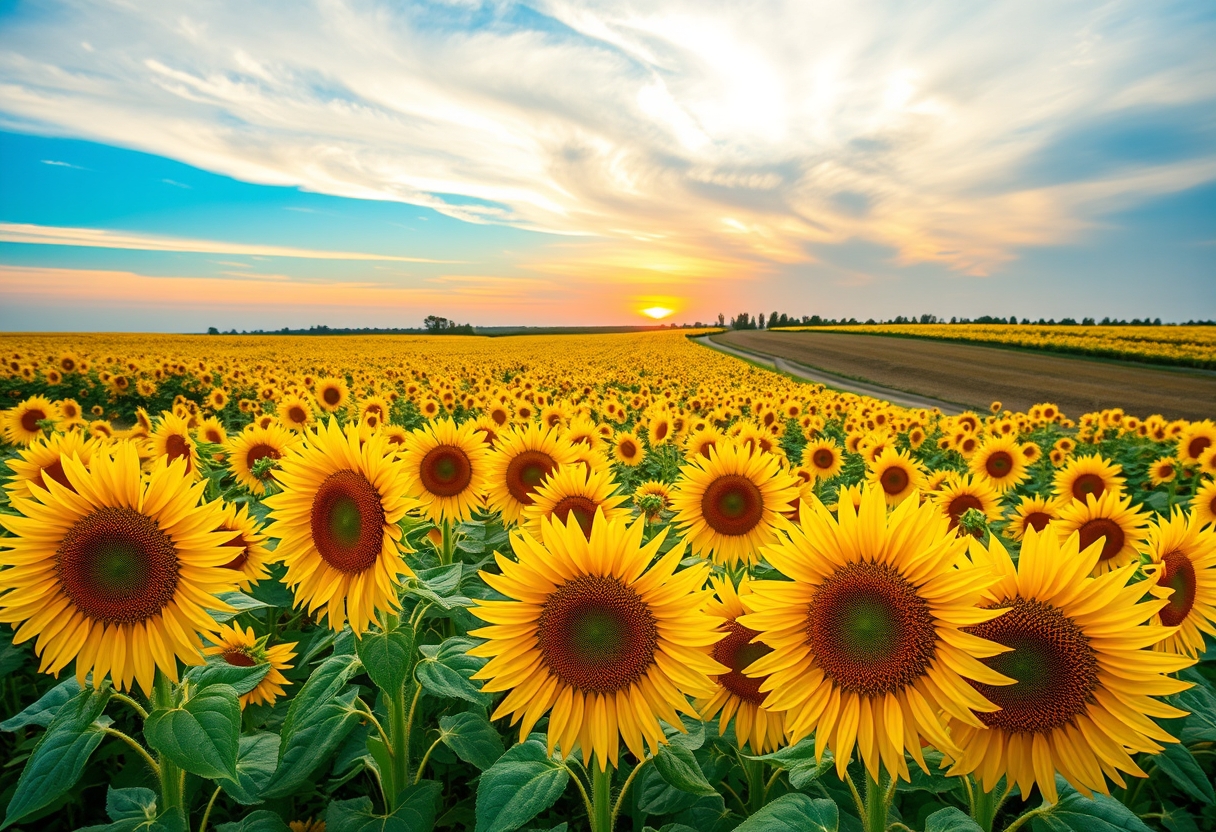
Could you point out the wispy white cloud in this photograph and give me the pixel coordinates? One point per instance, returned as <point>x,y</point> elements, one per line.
<point>747,134</point>
<point>177,184</point>
<point>58,164</point>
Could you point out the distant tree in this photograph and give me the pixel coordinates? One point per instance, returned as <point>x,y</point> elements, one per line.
<point>212,331</point>
<point>721,319</point>
<point>761,320</point>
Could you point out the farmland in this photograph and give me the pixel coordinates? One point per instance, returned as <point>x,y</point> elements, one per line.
<point>603,581</point>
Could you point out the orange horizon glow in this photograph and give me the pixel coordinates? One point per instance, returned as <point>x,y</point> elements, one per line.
<point>657,312</point>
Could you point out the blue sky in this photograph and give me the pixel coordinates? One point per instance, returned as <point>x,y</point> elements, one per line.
<point>174,166</point>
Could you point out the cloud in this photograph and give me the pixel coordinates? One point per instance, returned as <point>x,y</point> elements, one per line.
<point>177,184</point>
<point>738,136</point>
<point>59,164</point>
<point>102,238</point>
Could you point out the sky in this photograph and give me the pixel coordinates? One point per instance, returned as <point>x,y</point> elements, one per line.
<point>169,166</point>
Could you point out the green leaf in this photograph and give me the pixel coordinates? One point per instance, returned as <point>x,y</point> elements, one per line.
<point>123,804</point>
<point>472,738</point>
<point>445,671</point>
<point>794,813</point>
<point>388,657</point>
<point>60,756</point>
<point>1183,769</point>
<point>1200,726</point>
<point>655,797</point>
<point>262,820</point>
<point>170,820</point>
<point>692,737</point>
<point>799,761</point>
<point>320,717</point>
<point>1075,813</point>
<point>441,586</point>
<point>240,602</point>
<point>522,784</point>
<point>218,672</point>
<point>43,711</point>
<point>951,819</point>
<point>679,769</point>
<point>415,812</point>
<point>255,764</point>
<point>13,657</point>
<point>202,735</point>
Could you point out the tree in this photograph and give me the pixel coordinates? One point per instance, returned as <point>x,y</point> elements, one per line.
<point>761,324</point>
<point>772,320</point>
<point>212,331</point>
<point>721,319</point>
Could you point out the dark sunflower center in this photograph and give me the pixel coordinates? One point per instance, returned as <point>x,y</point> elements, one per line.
<point>238,658</point>
<point>894,480</point>
<point>55,472</point>
<point>238,562</point>
<point>1198,445</point>
<point>660,431</point>
<point>1088,484</point>
<point>1178,573</point>
<point>499,416</point>
<point>823,458</point>
<point>732,505</point>
<point>117,566</point>
<point>331,395</point>
<point>1102,527</point>
<point>999,464</point>
<point>526,472</point>
<point>628,449</point>
<point>446,471</point>
<point>348,522</point>
<point>1055,668</point>
<point>258,452</point>
<point>176,447</point>
<point>582,508</point>
<point>296,414</point>
<point>596,634</point>
<point>869,629</point>
<point>737,651</point>
<point>30,420</point>
<point>959,505</point>
<point>1037,520</point>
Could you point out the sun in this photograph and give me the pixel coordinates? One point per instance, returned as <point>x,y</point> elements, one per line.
<point>657,312</point>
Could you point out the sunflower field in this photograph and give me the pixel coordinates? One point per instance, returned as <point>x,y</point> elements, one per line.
<point>603,582</point>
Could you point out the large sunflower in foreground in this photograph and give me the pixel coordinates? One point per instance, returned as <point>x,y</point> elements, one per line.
<point>867,636</point>
<point>1110,519</point>
<point>728,504</point>
<point>1000,461</point>
<point>738,695</point>
<point>43,460</point>
<point>445,469</point>
<point>337,521</point>
<point>597,637</point>
<point>252,446</point>
<point>1182,555</point>
<point>1084,476</point>
<point>575,492</point>
<point>117,572</point>
<point>522,458</point>
<point>242,648</point>
<point>1085,684</point>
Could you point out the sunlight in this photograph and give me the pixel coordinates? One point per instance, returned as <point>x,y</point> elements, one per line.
<point>657,312</point>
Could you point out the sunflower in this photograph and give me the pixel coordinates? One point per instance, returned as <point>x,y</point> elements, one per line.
<point>337,524</point>
<point>212,432</point>
<point>627,449</point>
<point>445,469</point>
<point>1088,475</point>
<point>69,414</point>
<point>1000,461</point>
<point>241,648</point>
<point>522,459</point>
<point>659,430</point>
<point>958,494</point>
<point>374,406</point>
<point>1182,560</point>
<point>583,431</point>
<point>895,474</point>
<point>700,443</point>
<point>1162,471</point>
<point>1031,451</point>
<point>43,460</point>
<point>1195,439</point>
<point>1032,512</point>
<point>22,424</point>
<point>1084,694</point>
<point>652,498</point>
<point>730,504</point>
<point>739,695</point>
<point>294,412</point>
<point>574,491</point>
<point>217,399</point>
<point>593,637</point>
<point>332,393</point>
<point>171,440</point>
<point>1107,518</point>
<point>247,545</point>
<point>866,637</point>
<point>1203,504</point>
<point>117,572</point>
<point>251,447</point>
<point>823,458</point>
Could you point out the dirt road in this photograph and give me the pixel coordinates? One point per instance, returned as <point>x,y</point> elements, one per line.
<point>975,376</point>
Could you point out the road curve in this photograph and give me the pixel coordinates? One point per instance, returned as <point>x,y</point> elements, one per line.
<point>863,388</point>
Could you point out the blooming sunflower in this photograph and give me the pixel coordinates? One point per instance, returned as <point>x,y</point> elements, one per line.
<point>700,443</point>
<point>652,498</point>
<point>627,449</point>
<point>1195,439</point>
<point>895,474</point>
<point>823,458</point>
<point>294,412</point>
<point>253,445</point>
<point>1085,686</point>
<point>729,504</point>
<point>332,393</point>
<point>1203,504</point>
<point>592,636</point>
<point>1182,557</point>
<point>739,695</point>
<point>523,457</point>
<point>659,429</point>
<point>43,460</point>
<point>248,552</point>
<point>1086,475</point>
<point>574,491</point>
<point>867,638</point>
<point>212,432</point>
<point>1000,461</point>
<point>171,440</point>
<point>1109,518</point>
<point>21,426</point>
<point>445,469</point>
<point>241,648</point>
<point>1162,471</point>
<point>958,494</point>
<point>337,524</point>
<point>1032,512</point>
<point>117,572</point>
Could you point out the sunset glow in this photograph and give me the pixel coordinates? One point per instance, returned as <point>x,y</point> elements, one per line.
<point>657,312</point>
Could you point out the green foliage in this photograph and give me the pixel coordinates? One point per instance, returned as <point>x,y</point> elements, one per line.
<point>520,785</point>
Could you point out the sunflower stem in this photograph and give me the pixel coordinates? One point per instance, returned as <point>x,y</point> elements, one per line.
<point>399,737</point>
<point>445,556</point>
<point>170,775</point>
<point>601,796</point>
<point>984,806</point>
<point>875,804</point>
<point>753,770</point>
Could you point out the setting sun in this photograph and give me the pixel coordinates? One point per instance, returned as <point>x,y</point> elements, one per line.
<point>657,312</point>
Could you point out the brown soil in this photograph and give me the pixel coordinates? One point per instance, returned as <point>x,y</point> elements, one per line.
<point>976,376</point>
